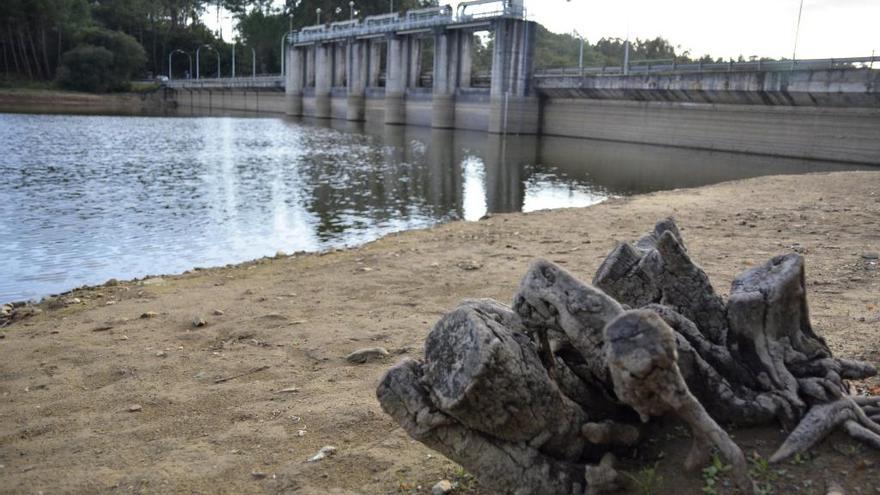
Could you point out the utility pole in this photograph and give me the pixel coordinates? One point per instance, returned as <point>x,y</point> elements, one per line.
<point>797,32</point>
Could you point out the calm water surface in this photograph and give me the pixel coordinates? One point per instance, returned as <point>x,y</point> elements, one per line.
<point>86,199</point>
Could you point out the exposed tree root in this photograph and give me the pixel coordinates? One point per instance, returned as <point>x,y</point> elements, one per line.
<point>534,399</point>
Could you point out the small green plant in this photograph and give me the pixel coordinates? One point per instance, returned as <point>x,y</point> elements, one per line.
<point>712,475</point>
<point>646,481</point>
<point>799,459</point>
<point>463,480</point>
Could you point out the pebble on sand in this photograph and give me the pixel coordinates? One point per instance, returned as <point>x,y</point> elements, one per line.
<point>149,314</point>
<point>198,321</point>
<point>325,452</point>
<point>442,488</point>
<point>135,408</point>
<point>363,356</point>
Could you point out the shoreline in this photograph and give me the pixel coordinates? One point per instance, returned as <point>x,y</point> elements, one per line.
<point>74,373</point>
<point>62,102</point>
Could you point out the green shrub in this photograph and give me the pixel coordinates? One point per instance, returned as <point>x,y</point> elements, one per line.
<point>102,61</point>
<point>88,68</point>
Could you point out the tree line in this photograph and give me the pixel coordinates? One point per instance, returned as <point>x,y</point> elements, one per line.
<point>100,45</point>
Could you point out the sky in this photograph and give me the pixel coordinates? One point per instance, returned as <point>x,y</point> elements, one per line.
<point>764,28</point>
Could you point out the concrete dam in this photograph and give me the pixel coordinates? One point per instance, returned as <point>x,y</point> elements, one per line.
<point>374,71</point>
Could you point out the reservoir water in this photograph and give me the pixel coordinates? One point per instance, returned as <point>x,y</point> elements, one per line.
<point>86,199</point>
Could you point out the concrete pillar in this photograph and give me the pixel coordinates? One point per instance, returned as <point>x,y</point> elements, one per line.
<point>375,63</point>
<point>466,59</point>
<point>323,79</point>
<point>339,63</point>
<point>415,62</point>
<point>311,54</point>
<point>395,81</point>
<point>293,88</point>
<point>446,76</point>
<point>357,80</point>
<point>515,108</point>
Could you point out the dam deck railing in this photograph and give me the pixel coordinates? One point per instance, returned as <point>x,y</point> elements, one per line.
<point>638,67</point>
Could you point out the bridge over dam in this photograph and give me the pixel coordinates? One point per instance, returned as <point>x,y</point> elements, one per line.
<point>417,69</point>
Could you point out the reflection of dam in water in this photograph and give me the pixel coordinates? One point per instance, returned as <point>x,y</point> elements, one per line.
<point>93,198</point>
<point>473,173</point>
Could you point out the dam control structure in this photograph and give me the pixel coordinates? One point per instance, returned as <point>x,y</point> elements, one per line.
<point>418,69</point>
<point>374,69</point>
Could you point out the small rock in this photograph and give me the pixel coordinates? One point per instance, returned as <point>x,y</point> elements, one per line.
<point>201,375</point>
<point>442,488</point>
<point>469,265</point>
<point>367,355</point>
<point>111,283</point>
<point>161,354</point>
<point>218,312</point>
<point>288,390</point>
<point>280,254</point>
<point>833,488</point>
<point>198,321</point>
<point>149,314</point>
<point>73,300</point>
<point>871,256</point>
<point>257,475</point>
<point>324,453</point>
<point>135,408</point>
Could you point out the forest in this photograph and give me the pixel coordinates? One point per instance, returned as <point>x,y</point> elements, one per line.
<point>102,45</point>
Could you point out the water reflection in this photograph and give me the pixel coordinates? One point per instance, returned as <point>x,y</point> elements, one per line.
<point>86,199</point>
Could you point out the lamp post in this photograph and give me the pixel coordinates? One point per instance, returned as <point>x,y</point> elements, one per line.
<point>318,13</point>
<point>581,55</point>
<point>351,8</point>
<point>233,60</point>
<point>210,47</point>
<point>391,11</point>
<point>188,56</point>
<point>253,63</point>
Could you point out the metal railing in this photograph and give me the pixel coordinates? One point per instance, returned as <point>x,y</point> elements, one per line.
<point>391,23</point>
<point>266,81</point>
<point>640,67</point>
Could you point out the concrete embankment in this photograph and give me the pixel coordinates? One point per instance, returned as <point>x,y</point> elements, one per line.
<point>68,102</point>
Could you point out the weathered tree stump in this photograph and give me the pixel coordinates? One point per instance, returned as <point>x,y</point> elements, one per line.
<point>533,399</point>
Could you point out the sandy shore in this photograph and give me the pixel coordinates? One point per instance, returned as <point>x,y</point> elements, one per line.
<point>70,377</point>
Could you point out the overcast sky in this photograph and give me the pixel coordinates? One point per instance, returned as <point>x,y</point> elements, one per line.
<point>829,28</point>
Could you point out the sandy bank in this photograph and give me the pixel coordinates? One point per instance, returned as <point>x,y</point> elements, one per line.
<point>71,374</point>
<point>70,102</point>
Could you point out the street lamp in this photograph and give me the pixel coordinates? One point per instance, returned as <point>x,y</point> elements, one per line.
<point>318,12</point>
<point>210,47</point>
<point>170,55</point>
<point>392,7</point>
<point>581,55</point>
<point>253,63</point>
<point>351,7</point>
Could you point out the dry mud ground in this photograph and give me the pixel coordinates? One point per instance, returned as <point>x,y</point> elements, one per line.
<point>68,376</point>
